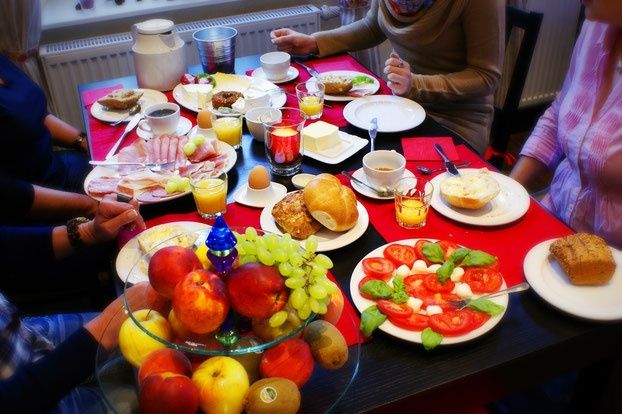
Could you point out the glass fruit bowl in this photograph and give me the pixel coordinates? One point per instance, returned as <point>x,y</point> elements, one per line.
<point>254,343</point>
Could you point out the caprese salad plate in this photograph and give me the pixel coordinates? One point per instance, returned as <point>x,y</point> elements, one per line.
<point>408,289</point>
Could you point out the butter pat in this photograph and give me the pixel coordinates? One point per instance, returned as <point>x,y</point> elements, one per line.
<point>320,136</point>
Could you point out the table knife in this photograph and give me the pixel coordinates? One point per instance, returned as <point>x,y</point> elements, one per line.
<point>451,168</point>
<point>311,71</point>
<point>130,126</point>
<point>373,131</point>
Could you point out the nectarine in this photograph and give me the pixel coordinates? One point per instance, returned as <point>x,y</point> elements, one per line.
<point>256,290</point>
<point>164,360</point>
<point>169,265</point>
<point>291,359</point>
<point>166,392</point>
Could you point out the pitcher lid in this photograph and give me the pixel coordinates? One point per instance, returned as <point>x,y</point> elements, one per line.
<point>155,26</point>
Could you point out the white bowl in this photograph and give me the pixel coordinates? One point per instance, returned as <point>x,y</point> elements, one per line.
<point>253,123</point>
<point>383,168</point>
<point>301,180</point>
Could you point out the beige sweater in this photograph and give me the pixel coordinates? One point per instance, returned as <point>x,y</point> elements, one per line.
<point>455,49</point>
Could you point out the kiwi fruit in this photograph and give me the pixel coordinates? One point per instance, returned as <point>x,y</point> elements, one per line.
<point>328,345</point>
<point>273,396</point>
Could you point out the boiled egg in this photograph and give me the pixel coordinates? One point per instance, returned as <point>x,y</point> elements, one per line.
<point>204,119</point>
<point>259,178</point>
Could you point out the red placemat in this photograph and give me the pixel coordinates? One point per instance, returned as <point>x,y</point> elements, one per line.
<point>333,115</point>
<point>510,242</point>
<point>422,148</point>
<point>89,97</point>
<point>239,215</point>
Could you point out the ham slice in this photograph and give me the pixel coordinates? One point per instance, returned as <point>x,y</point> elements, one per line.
<point>205,151</point>
<point>164,141</point>
<point>172,150</point>
<point>181,157</point>
<point>99,187</point>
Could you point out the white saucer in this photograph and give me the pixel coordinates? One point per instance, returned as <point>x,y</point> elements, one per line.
<point>360,174</point>
<point>182,128</point>
<point>260,198</point>
<point>207,133</point>
<point>292,73</point>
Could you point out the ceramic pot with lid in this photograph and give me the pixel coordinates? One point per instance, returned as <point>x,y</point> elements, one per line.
<point>159,54</point>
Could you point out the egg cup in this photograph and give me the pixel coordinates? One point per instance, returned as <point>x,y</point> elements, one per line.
<point>260,198</point>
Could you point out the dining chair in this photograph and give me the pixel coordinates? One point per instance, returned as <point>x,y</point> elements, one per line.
<point>529,23</point>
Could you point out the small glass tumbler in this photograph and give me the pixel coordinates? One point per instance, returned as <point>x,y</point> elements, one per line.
<point>210,195</point>
<point>412,201</point>
<point>228,127</point>
<point>311,98</point>
<point>283,140</point>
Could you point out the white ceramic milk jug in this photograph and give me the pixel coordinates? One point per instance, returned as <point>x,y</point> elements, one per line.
<point>159,54</point>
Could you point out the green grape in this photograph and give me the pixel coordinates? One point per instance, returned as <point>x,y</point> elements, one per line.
<point>298,272</point>
<point>251,234</point>
<point>285,269</point>
<point>317,270</point>
<point>278,319</point>
<point>241,250</point>
<point>298,298</point>
<point>322,308</point>
<point>272,241</point>
<point>198,140</point>
<point>189,148</point>
<point>260,242</point>
<point>328,285</point>
<point>315,305</point>
<point>324,261</point>
<point>185,184</point>
<point>279,255</point>
<point>240,238</point>
<point>265,256</point>
<point>247,258</point>
<point>305,311</point>
<point>295,282</point>
<point>170,187</point>
<point>317,291</point>
<point>249,247</point>
<point>295,259</point>
<point>311,245</point>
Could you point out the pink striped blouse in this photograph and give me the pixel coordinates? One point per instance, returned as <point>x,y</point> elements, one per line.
<point>585,190</point>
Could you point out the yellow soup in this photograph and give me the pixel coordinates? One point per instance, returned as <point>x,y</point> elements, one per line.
<point>412,212</point>
<point>228,130</point>
<point>210,196</point>
<point>310,105</point>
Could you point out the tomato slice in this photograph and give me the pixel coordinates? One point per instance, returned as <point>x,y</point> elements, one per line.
<point>448,247</point>
<point>361,283</point>
<point>415,322</point>
<point>440,299</point>
<point>432,283</point>
<point>400,254</point>
<point>478,318</point>
<point>419,251</point>
<point>378,267</point>
<point>452,323</point>
<point>392,309</point>
<point>482,279</point>
<point>415,286</point>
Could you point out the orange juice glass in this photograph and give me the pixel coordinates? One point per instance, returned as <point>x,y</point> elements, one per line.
<point>311,98</point>
<point>210,195</point>
<point>412,201</point>
<point>228,128</point>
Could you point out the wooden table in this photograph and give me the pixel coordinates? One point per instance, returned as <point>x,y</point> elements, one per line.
<point>533,342</point>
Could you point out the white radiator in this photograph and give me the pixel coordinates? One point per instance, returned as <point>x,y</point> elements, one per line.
<point>69,64</point>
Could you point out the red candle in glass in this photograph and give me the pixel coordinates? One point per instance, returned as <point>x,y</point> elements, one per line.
<point>285,143</point>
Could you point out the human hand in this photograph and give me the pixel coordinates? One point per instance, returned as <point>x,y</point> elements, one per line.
<point>110,217</point>
<point>399,75</point>
<point>290,41</point>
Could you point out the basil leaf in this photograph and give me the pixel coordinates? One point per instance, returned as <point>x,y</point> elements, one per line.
<point>399,288</point>
<point>371,318</point>
<point>444,272</point>
<point>361,80</point>
<point>430,339</point>
<point>478,258</point>
<point>399,297</point>
<point>486,306</point>
<point>458,255</point>
<point>433,252</point>
<point>377,288</point>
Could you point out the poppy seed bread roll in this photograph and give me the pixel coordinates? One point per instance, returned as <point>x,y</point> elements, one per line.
<point>331,203</point>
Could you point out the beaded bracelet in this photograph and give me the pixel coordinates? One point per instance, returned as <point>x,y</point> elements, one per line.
<point>73,232</point>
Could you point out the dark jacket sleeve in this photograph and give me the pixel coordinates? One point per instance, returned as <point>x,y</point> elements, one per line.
<point>39,386</point>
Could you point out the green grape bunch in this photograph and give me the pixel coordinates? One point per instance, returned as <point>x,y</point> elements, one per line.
<point>304,270</point>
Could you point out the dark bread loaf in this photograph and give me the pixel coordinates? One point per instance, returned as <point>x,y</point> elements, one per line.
<point>586,258</point>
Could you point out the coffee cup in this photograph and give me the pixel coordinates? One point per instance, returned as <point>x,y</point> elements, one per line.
<point>160,119</point>
<point>383,168</point>
<point>275,65</point>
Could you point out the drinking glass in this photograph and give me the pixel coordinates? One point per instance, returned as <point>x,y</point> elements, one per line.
<point>216,46</point>
<point>412,201</point>
<point>228,127</point>
<point>210,195</point>
<point>284,141</point>
<point>311,98</point>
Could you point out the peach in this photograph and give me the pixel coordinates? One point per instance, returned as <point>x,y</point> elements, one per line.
<point>335,308</point>
<point>167,392</point>
<point>291,359</point>
<point>165,360</point>
<point>257,291</point>
<point>168,266</point>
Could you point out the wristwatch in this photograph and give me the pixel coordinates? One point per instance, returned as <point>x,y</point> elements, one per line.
<point>77,142</point>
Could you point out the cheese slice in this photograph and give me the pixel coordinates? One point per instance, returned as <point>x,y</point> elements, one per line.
<point>163,236</point>
<point>320,136</point>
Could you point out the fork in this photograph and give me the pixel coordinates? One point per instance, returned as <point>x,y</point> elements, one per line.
<point>428,171</point>
<point>463,303</point>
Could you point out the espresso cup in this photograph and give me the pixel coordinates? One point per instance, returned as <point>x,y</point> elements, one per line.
<point>161,119</point>
<point>383,168</point>
<point>275,65</point>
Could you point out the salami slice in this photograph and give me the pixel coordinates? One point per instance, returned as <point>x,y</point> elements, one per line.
<point>99,187</point>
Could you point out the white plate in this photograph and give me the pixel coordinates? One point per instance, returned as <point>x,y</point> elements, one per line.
<point>546,277</point>
<point>362,303</point>
<point>327,240</point>
<point>277,100</point>
<point>207,133</point>
<point>260,199</point>
<point>130,264</point>
<point>394,113</point>
<point>183,127</point>
<point>111,171</point>
<point>362,90</point>
<point>150,97</point>
<point>360,174</point>
<point>292,73</point>
<point>509,205</point>
<point>349,145</point>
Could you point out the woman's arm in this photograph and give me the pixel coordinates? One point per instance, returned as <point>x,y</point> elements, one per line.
<point>64,134</point>
<point>52,204</point>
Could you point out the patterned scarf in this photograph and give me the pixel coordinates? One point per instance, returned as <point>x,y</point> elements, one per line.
<point>408,7</point>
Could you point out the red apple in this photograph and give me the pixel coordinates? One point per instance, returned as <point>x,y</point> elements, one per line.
<point>291,359</point>
<point>165,360</point>
<point>167,392</point>
<point>200,301</point>
<point>256,290</point>
<point>169,265</point>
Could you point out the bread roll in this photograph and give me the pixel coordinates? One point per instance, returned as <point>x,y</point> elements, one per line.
<point>331,203</point>
<point>586,258</point>
<point>470,190</point>
<point>293,217</point>
<point>336,85</point>
<point>121,99</point>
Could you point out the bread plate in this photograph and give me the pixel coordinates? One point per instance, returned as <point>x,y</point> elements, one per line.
<point>130,264</point>
<point>348,146</point>
<point>327,239</point>
<point>394,113</point>
<point>150,97</point>
<point>355,92</point>
<point>546,277</point>
<point>509,205</point>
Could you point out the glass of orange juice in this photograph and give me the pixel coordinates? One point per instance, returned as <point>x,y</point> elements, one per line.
<point>412,201</point>
<point>210,195</point>
<point>228,127</point>
<point>311,98</point>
